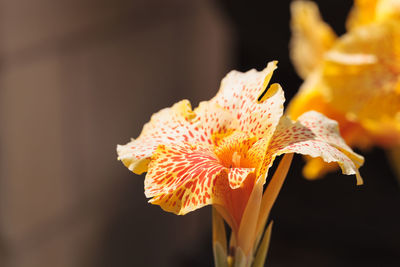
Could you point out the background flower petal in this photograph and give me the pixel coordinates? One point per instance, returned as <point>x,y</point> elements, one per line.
<point>362,13</point>
<point>367,91</point>
<point>311,37</point>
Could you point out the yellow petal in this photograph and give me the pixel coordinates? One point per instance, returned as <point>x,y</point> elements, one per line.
<point>309,97</point>
<point>367,90</point>
<point>316,168</point>
<point>362,13</point>
<point>388,10</point>
<point>311,37</point>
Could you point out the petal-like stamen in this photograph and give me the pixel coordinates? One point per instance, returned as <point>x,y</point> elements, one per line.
<point>236,159</point>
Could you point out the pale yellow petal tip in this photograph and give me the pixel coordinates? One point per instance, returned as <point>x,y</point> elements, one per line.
<point>271,66</point>
<point>272,90</point>
<point>268,72</point>
<point>137,166</point>
<point>184,109</point>
<point>268,92</point>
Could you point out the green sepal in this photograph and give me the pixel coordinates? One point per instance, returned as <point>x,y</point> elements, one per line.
<point>220,257</point>
<point>240,258</point>
<point>219,240</point>
<point>262,251</point>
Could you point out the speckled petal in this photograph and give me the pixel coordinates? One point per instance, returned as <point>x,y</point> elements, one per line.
<point>175,125</point>
<point>317,136</point>
<point>311,37</point>
<point>236,176</point>
<point>167,126</point>
<point>246,96</point>
<point>182,178</point>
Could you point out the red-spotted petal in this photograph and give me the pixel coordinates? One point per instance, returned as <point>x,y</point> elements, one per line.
<point>175,125</point>
<point>181,178</point>
<point>327,130</point>
<point>237,176</point>
<point>169,125</point>
<point>317,136</point>
<point>244,94</point>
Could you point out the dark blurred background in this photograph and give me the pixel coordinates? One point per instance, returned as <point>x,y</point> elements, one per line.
<point>78,77</point>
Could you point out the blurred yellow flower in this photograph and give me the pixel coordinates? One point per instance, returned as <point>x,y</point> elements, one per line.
<point>353,79</point>
<point>220,153</point>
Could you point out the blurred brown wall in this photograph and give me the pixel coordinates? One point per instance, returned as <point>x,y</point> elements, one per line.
<point>76,78</point>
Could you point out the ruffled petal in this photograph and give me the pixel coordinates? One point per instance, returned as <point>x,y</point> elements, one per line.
<point>316,136</point>
<point>175,125</point>
<point>169,125</point>
<point>182,178</point>
<point>246,96</point>
<point>311,37</point>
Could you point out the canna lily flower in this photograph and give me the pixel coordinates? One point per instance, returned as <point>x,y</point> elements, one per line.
<point>219,154</point>
<point>353,79</point>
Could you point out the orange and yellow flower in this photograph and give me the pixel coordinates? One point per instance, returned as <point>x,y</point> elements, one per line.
<point>353,79</point>
<point>220,152</point>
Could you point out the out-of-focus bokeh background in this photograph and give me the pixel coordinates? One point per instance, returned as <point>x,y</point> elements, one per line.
<point>78,77</point>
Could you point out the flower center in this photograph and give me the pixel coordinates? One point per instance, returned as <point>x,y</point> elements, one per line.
<point>232,150</point>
